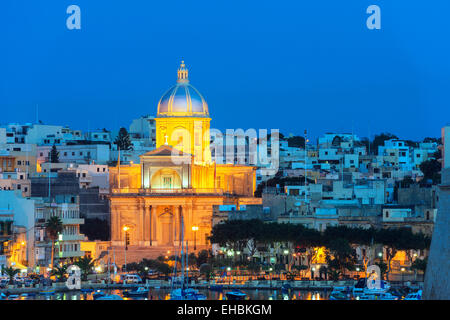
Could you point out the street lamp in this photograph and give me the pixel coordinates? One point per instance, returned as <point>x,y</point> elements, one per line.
<point>125,230</point>
<point>403,272</point>
<point>195,229</point>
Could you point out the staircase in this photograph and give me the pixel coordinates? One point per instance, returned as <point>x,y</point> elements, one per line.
<point>137,253</point>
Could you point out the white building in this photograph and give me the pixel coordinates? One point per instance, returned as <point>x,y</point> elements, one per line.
<point>22,211</point>
<point>76,153</point>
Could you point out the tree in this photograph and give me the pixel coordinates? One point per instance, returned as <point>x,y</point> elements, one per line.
<point>420,265</point>
<point>59,272</point>
<point>202,257</point>
<point>383,268</point>
<point>53,227</point>
<point>406,182</point>
<point>206,270</point>
<point>380,139</point>
<point>11,273</point>
<point>86,264</point>
<point>429,139</point>
<point>54,155</point>
<point>431,171</point>
<point>123,141</point>
<point>296,142</point>
<point>340,255</point>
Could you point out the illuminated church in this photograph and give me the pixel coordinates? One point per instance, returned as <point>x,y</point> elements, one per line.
<point>178,181</point>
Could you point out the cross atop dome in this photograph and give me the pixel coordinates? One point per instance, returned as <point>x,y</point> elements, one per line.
<point>182,73</point>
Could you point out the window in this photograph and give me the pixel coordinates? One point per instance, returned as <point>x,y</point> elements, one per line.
<point>387,214</point>
<point>65,154</point>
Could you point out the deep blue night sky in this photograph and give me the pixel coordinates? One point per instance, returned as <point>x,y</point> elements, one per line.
<point>260,64</point>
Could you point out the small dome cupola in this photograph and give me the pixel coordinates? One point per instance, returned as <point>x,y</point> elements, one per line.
<point>183,73</point>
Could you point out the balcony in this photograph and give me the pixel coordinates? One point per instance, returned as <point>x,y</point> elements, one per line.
<point>70,254</point>
<point>181,191</point>
<point>71,237</point>
<point>70,221</point>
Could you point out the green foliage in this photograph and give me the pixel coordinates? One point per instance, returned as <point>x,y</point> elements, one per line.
<point>340,255</point>
<point>406,182</point>
<point>420,264</point>
<point>380,139</point>
<point>334,274</point>
<point>54,155</point>
<point>53,226</point>
<point>383,268</point>
<point>158,265</point>
<point>86,264</point>
<point>123,140</point>
<point>11,273</point>
<point>59,272</point>
<point>206,270</point>
<point>203,257</point>
<point>296,142</point>
<point>431,171</point>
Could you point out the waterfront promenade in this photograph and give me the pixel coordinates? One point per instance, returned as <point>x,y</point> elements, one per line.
<point>157,284</point>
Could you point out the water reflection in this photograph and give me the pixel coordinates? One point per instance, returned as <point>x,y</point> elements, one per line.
<point>164,294</point>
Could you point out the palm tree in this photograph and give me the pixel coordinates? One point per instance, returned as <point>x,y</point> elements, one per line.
<point>53,226</point>
<point>59,272</point>
<point>11,272</point>
<point>85,264</point>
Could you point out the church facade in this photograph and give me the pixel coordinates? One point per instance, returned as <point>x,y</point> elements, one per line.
<point>170,194</point>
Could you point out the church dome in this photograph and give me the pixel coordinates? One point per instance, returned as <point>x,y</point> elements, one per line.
<point>182,100</point>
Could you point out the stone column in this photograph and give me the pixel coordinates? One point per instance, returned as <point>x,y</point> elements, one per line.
<point>142,223</point>
<point>153,241</point>
<point>147,218</point>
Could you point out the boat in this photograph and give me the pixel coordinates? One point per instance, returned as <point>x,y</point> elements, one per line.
<point>97,294</point>
<point>141,291</point>
<point>184,292</point>
<point>87,290</point>
<point>236,295</point>
<point>286,288</point>
<point>340,293</point>
<point>414,295</point>
<point>47,292</point>
<point>377,296</point>
<point>361,287</point>
<point>216,287</point>
<point>28,294</point>
<point>110,297</point>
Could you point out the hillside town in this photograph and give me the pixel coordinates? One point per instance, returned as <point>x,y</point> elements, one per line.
<point>340,180</point>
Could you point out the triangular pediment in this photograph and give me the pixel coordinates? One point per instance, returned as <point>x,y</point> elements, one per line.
<point>165,151</point>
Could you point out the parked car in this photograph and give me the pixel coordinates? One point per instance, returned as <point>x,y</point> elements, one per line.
<point>4,283</point>
<point>131,278</point>
<point>28,282</point>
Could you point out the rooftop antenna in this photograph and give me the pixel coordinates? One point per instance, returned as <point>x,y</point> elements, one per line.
<point>306,155</point>
<point>118,163</point>
<point>37,113</point>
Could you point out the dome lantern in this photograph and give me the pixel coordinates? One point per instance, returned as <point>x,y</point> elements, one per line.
<point>183,73</point>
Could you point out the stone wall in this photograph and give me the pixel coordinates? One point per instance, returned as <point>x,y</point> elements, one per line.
<point>437,281</point>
